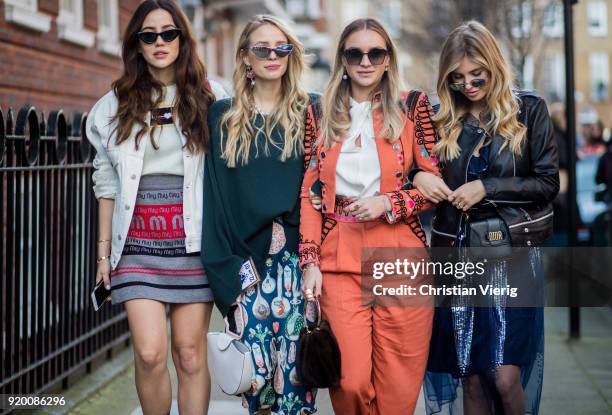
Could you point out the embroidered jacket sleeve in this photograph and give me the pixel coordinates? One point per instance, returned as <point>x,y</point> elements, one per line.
<point>311,219</point>
<point>410,202</point>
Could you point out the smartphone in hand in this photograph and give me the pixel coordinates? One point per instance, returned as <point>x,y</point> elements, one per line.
<point>99,295</point>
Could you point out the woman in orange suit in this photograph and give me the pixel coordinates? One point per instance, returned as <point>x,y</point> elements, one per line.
<point>370,135</point>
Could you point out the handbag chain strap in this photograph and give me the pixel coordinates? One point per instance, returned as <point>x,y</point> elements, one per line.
<point>315,301</point>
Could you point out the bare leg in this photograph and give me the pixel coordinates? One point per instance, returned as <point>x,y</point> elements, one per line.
<point>475,400</point>
<point>147,320</point>
<point>189,326</point>
<point>508,384</point>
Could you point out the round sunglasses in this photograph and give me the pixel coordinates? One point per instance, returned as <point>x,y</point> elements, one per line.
<point>475,83</point>
<point>264,52</point>
<point>354,56</point>
<point>167,36</point>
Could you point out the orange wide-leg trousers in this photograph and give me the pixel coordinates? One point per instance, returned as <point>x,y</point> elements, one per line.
<point>384,349</point>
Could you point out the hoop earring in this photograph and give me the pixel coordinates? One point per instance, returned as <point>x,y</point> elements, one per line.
<point>250,75</point>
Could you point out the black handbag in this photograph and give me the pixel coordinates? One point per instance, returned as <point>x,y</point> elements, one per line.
<point>488,238</point>
<point>318,355</point>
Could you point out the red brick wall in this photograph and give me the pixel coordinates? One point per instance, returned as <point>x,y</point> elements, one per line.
<point>43,70</point>
<point>49,6</point>
<point>90,10</point>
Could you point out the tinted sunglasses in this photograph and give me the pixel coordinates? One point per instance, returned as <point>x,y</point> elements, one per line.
<point>167,36</point>
<point>264,52</point>
<point>354,56</point>
<point>475,83</point>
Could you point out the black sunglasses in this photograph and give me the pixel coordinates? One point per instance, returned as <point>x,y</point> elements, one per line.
<point>354,56</point>
<point>264,52</point>
<point>167,36</point>
<point>475,83</point>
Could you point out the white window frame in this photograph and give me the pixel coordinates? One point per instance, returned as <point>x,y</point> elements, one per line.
<point>75,17</point>
<point>554,73</point>
<point>25,13</point>
<point>31,5</point>
<point>599,73</point>
<point>392,16</point>
<point>70,26</point>
<point>522,29</point>
<point>313,9</point>
<point>597,11</point>
<point>108,36</point>
<point>296,8</point>
<point>553,27</point>
<point>359,8</point>
<point>528,73</point>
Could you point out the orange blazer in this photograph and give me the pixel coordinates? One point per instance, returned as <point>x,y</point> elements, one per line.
<point>396,160</point>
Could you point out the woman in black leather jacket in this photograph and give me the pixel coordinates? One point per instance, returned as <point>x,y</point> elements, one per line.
<point>519,187</point>
<point>498,158</point>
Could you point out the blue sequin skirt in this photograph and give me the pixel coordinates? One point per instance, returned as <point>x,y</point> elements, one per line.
<point>469,341</point>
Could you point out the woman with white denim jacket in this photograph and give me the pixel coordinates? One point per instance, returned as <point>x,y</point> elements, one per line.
<point>150,133</point>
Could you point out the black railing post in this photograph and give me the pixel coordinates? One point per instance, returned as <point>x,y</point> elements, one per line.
<point>48,215</point>
<point>570,107</point>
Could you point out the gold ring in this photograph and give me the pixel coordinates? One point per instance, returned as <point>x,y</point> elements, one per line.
<point>308,292</point>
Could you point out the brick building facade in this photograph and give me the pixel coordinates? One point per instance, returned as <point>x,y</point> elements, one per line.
<point>60,54</point>
<point>55,58</point>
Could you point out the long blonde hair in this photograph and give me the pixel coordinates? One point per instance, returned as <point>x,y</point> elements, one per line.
<point>476,42</point>
<point>288,114</point>
<point>336,120</point>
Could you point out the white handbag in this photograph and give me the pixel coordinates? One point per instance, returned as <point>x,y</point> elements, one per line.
<point>230,362</point>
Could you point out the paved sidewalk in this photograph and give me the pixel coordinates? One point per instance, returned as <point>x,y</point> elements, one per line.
<point>578,374</point>
<point>119,396</point>
<point>577,379</point>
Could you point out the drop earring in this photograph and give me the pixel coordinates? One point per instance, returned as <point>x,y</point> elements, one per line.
<point>250,74</point>
<point>345,76</point>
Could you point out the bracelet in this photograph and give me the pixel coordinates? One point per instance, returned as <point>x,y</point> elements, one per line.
<point>102,258</point>
<point>309,265</point>
<point>104,240</point>
<point>388,204</point>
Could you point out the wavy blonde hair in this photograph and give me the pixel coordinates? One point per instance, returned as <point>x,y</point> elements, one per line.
<point>335,103</point>
<point>289,111</point>
<point>476,42</point>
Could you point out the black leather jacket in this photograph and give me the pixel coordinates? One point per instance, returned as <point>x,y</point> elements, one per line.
<point>518,188</point>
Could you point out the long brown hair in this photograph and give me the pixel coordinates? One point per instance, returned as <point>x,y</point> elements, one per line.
<point>476,42</point>
<point>288,114</point>
<point>336,103</point>
<point>138,91</point>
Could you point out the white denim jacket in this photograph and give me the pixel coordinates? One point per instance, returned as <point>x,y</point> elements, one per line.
<point>118,169</point>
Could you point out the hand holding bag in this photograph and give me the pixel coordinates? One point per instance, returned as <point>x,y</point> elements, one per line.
<point>318,355</point>
<point>230,361</point>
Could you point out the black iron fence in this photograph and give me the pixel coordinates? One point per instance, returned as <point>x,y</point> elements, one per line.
<point>48,216</point>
